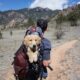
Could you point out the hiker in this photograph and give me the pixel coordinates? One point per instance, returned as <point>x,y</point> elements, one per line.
<point>21,60</point>
<point>43,24</point>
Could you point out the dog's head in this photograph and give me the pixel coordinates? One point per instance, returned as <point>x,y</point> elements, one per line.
<point>32,41</point>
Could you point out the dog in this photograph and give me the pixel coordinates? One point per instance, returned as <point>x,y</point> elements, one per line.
<point>32,43</point>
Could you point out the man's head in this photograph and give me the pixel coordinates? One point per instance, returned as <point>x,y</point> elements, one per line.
<point>42,24</point>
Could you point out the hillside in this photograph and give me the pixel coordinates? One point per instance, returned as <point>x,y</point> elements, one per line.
<point>19,18</point>
<point>70,14</point>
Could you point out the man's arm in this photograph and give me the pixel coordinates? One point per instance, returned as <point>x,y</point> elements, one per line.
<point>46,52</point>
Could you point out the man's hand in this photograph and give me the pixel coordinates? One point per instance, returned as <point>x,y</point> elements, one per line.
<point>46,63</point>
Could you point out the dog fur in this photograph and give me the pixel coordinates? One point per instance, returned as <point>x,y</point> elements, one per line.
<point>29,42</point>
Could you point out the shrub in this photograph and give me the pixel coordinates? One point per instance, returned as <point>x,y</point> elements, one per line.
<point>58,34</point>
<point>11,33</point>
<point>1,35</point>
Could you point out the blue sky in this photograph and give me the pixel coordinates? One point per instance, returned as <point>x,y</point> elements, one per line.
<point>73,2</point>
<point>18,4</point>
<point>14,4</point>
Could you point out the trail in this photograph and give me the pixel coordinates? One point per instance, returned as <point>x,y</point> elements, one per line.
<point>58,58</point>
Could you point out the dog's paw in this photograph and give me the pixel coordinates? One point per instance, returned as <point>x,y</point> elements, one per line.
<point>31,60</point>
<point>35,58</point>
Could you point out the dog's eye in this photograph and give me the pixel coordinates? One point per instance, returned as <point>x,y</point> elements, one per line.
<point>30,40</point>
<point>35,39</point>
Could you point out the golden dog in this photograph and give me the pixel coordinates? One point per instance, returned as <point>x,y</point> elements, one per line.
<point>31,42</point>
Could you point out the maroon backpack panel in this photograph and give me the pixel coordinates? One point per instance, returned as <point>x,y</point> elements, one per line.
<point>20,63</point>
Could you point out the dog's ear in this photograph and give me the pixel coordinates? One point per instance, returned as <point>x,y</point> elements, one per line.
<point>25,40</point>
<point>39,40</point>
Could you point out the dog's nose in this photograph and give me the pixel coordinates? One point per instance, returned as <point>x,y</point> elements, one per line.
<point>34,46</point>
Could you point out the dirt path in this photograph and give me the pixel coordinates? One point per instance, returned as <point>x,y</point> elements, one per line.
<point>58,58</point>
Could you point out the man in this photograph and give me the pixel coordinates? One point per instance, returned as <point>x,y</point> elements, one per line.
<point>20,60</point>
<point>43,24</point>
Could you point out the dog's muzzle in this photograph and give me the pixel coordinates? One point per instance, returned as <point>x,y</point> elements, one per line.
<point>34,48</point>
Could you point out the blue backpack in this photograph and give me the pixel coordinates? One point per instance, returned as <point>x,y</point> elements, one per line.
<point>34,30</point>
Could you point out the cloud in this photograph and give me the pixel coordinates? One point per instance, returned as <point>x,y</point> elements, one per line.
<point>78,2</point>
<point>51,4</point>
<point>65,6</point>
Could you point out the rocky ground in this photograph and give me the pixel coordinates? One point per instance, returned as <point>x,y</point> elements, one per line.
<point>65,55</point>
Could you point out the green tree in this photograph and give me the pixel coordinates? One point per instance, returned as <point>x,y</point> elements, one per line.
<point>60,18</point>
<point>30,22</point>
<point>72,17</point>
<point>78,11</point>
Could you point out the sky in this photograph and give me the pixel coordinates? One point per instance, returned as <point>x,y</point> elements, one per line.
<point>51,4</point>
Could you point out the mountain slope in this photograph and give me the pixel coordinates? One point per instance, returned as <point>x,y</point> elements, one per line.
<point>20,17</point>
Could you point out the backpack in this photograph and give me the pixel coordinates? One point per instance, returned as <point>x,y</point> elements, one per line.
<point>34,30</point>
<point>22,66</point>
<point>20,63</point>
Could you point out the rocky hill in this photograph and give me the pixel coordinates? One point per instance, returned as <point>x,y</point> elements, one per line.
<point>19,18</point>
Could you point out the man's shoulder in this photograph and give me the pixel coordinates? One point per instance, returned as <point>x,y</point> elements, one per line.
<point>45,40</point>
<point>46,43</point>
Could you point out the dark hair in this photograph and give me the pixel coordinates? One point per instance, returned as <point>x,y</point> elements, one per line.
<point>42,24</point>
